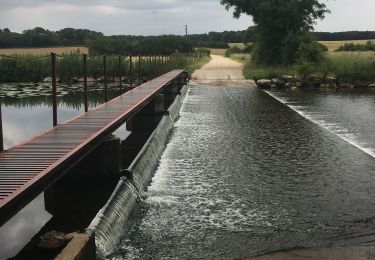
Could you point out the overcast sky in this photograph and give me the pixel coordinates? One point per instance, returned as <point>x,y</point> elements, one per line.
<point>154,17</point>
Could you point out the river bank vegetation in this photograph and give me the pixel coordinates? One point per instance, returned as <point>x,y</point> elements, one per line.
<point>286,46</point>
<point>40,37</point>
<point>368,46</point>
<point>351,69</point>
<point>69,67</point>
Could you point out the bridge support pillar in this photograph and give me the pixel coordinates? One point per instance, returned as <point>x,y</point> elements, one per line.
<point>170,95</point>
<point>141,127</point>
<point>171,92</point>
<point>148,118</point>
<point>85,188</point>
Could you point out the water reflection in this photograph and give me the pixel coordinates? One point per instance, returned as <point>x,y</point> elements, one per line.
<point>27,112</point>
<point>27,222</point>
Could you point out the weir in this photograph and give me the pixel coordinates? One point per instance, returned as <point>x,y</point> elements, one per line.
<point>107,227</point>
<point>116,169</point>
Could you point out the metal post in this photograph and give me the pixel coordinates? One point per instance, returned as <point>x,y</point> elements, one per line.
<point>120,72</point>
<point>54,88</point>
<point>157,66</point>
<point>105,78</point>
<point>1,132</point>
<point>85,82</point>
<point>139,70</point>
<point>131,71</point>
<point>150,69</point>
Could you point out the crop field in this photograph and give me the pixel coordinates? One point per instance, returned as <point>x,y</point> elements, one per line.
<point>42,51</point>
<point>239,45</point>
<point>218,51</point>
<point>333,45</point>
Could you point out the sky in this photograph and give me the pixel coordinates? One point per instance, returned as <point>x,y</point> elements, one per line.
<point>155,17</point>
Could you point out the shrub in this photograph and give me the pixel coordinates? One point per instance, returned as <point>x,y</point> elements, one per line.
<point>369,46</point>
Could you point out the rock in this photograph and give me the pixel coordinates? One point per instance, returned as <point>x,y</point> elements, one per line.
<point>361,84</point>
<point>316,79</point>
<point>371,85</point>
<point>345,85</point>
<point>55,239</point>
<point>328,85</point>
<point>290,85</point>
<point>264,83</point>
<point>287,78</point>
<point>299,84</point>
<point>278,82</point>
<point>274,86</point>
<point>331,79</point>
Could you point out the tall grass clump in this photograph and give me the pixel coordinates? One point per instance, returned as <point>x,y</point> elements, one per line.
<point>351,68</point>
<point>256,72</point>
<point>346,68</point>
<point>24,68</point>
<point>69,67</point>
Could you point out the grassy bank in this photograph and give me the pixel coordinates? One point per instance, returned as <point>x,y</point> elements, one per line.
<point>31,68</point>
<point>348,67</point>
<point>191,67</point>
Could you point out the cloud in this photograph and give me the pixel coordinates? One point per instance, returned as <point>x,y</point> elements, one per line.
<point>154,17</point>
<point>147,17</point>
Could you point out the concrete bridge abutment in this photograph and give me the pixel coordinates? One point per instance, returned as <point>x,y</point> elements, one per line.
<point>141,126</point>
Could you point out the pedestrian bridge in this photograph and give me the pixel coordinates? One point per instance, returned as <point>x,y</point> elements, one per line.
<point>31,167</point>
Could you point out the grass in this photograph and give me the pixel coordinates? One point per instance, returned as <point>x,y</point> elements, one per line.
<point>31,68</point>
<point>349,68</point>
<point>190,68</point>
<point>241,57</point>
<point>352,68</point>
<point>43,51</point>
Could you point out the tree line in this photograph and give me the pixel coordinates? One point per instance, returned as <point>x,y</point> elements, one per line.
<point>40,37</point>
<point>96,41</point>
<point>166,44</point>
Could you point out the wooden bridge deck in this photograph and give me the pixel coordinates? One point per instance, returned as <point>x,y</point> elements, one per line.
<point>27,169</point>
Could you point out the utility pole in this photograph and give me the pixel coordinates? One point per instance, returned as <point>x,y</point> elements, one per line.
<point>186,30</point>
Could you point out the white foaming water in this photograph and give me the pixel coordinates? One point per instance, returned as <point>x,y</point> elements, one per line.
<point>144,166</point>
<point>112,216</point>
<point>110,221</point>
<point>337,129</point>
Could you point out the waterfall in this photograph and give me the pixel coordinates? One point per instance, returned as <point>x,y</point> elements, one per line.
<point>146,161</point>
<point>108,225</point>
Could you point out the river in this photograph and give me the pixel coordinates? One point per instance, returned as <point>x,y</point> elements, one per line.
<point>247,172</point>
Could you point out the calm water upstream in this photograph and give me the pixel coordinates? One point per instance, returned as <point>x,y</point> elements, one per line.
<point>246,174</point>
<point>26,112</point>
<point>27,109</point>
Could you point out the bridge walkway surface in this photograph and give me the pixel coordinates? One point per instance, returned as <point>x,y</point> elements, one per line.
<point>29,168</point>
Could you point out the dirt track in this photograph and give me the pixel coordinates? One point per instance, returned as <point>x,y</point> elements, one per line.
<point>221,71</point>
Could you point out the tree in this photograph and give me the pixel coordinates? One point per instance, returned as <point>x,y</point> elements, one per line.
<point>282,27</point>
